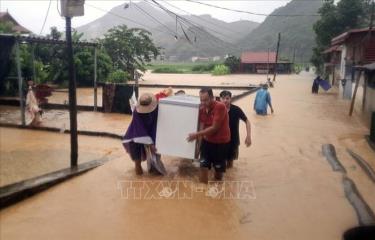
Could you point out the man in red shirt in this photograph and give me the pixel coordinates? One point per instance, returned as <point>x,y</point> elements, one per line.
<point>215,134</point>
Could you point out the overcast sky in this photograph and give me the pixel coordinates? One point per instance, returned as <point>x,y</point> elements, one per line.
<point>31,13</point>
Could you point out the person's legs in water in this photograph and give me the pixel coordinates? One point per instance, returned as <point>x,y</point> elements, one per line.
<point>138,167</point>
<point>220,157</point>
<point>205,164</point>
<point>261,112</point>
<point>219,176</point>
<point>203,175</point>
<point>232,155</point>
<point>213,155</point>
<point>136,152</point>
<point>229,163</point>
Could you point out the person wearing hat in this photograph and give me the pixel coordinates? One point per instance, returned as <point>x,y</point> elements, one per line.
<point>235,115</point>
<point>139,139</point>
<point>262,101</point>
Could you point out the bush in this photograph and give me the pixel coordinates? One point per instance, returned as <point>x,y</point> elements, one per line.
<point>203,67</point>
<point>167,70</point>
<point>118,76</point>
<point>198,68</point>
<point>220,70</point>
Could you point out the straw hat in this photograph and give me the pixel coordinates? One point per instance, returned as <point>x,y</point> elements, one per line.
<point>146,103</point>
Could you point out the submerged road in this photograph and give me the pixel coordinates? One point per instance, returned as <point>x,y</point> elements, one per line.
<point>282,187</point>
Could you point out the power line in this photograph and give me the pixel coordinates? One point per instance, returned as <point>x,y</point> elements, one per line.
<point>45,19</point>
<point>145,12</point>
<point>198,28</point>
<point>188,21</point>
<point>187,24</point>
<point>202,19</point>
<point>253,13</point>
<point>212,41</point>
<point>124,18</point>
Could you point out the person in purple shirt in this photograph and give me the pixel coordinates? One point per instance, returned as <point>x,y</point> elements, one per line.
<point>141,133</point>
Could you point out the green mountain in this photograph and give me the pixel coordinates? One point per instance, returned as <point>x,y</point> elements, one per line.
<point>296,31</point>
<point>200,43</point>
<point>212,37</point>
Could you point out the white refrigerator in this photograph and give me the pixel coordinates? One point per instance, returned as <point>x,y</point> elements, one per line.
<point>177,117</point>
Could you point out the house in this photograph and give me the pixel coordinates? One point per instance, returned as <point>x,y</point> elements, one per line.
<point>216,58</point>
<point>351,48</point>
<point>200,59</point>
<point>6,17</point>
<point>332,65</point>
<point>368,90</point>
<point>261,62</point>
<point>351,57</point>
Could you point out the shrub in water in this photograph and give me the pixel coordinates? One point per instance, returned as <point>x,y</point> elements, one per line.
<point>118,76</point>
<point>220,70</point>
<point>167,70</point>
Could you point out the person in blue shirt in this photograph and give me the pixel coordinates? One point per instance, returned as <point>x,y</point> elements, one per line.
<point>262,100</point>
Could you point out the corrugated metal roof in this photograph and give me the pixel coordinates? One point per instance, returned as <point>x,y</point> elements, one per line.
<point>342,37</point>
<point>17,27</point>
<point>335,48</point>
<point>258,57</point>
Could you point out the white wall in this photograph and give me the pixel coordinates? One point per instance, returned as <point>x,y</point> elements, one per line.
<point>343,62</point>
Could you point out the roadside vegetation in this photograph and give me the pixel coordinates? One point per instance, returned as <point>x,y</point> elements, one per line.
<point>120,53</point>
<point>230,65</point>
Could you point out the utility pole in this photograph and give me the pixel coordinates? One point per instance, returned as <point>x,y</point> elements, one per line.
<point>69,9</point>
<point>277,55</point>
<point>268,62</point>
<point>294,59</point>
<point>72,96</point>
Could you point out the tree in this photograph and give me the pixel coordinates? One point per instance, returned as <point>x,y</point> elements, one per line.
<point>53,61</point>
<point>84,62</point>
<point>233,63</point>
<point>348,14</point>
<point>129,48</point>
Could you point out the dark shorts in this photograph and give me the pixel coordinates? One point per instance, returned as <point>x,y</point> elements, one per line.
<point>214,154</point>
<point>232,152</point>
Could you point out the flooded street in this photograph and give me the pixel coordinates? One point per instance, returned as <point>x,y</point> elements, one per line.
<point>289,190</point>
<point>26,154</point>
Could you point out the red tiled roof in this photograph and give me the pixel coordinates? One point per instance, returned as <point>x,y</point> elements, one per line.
<point>258,57</point>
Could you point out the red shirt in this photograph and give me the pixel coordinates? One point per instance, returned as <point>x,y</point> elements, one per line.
<point>216,114</point>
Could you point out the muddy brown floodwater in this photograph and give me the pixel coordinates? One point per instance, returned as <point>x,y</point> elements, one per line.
<point>288,190</point>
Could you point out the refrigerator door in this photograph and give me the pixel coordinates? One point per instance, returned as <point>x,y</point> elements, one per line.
<point>177,117</point>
